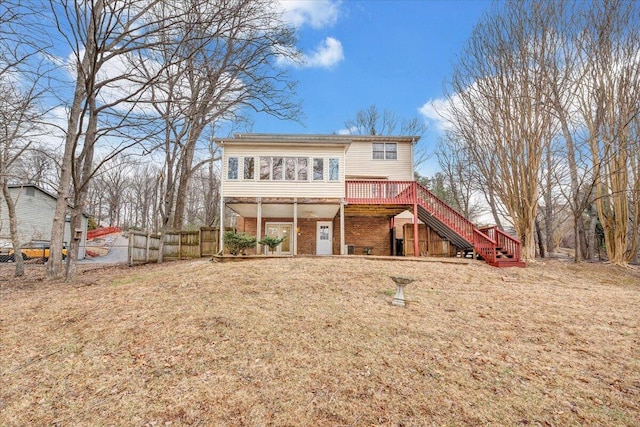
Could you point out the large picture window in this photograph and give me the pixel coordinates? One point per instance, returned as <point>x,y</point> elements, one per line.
<point>232,168</point>
<point>384,151</point>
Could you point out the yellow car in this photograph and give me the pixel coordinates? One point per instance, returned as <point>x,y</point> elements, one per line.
<point>31,252</point>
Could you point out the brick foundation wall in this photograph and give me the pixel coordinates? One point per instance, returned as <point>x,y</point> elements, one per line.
<point>367,231</point>
<point>362,232</point>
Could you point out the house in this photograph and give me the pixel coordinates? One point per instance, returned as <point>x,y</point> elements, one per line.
<point>341,194</point>
<point>35,209</point>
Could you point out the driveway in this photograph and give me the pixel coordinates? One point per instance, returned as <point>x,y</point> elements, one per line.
<point>118,251</point>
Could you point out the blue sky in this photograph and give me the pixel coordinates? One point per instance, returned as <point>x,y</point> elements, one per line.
<point>395,54</point>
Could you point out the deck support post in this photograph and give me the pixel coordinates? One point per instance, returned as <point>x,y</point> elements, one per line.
<point>342,251</point>
<point>258,225</point>
<point>295,227</point>
<point>416,237</point>
<point>221,225</point>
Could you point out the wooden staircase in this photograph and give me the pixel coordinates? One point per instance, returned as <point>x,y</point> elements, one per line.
<point>491,244</point>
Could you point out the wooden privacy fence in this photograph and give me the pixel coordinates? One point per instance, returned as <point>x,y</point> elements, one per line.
<point>145,247</point>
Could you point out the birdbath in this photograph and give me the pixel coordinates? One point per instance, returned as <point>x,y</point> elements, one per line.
<point>400,282</point>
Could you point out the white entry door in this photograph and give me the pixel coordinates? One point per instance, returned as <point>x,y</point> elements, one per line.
<point>324,238</point>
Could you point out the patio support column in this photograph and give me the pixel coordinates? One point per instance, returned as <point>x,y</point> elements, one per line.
<point>258,225</point>
<point>342,227</point>
<point>295,227</point>
<point>221,226</point>
<point>416,238</point>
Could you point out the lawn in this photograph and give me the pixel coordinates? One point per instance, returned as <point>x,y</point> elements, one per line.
<point>316,342</point>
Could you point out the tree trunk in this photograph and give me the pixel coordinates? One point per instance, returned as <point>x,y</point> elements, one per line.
<point>540,239</point>
<point>13,230</point>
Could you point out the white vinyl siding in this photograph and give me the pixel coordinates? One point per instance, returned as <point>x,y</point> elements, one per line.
<point>302,186</point>
<point>359,162</point>
<point>35,210</point>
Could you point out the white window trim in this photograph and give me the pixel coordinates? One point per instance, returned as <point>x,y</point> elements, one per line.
<point>237,159</point>
<point>385,151</point>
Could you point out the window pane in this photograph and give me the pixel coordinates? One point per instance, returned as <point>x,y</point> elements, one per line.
<point>391,150</point>
<point>290,168</point>
<point>276,175</point>
<point>334,169</point>
<point>302,169</point>
<point>232,171</point>
<point>265,168</point>
<point>378,150</point>
<point>318,169</point>
<point>249,165</point>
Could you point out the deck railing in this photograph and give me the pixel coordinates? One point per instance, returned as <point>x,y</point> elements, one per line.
<point>486,241</point>
<point>503,240</point>
<point>380,192</point>
<point>445,213</point>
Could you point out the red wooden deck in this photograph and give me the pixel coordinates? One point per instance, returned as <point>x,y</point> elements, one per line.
<point>495,246</point>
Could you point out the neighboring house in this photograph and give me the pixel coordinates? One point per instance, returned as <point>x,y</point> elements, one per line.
<point>340,194</point>
<point>35,209</point>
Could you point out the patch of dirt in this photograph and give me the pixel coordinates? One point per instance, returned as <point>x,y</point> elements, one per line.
<point>316,341</point>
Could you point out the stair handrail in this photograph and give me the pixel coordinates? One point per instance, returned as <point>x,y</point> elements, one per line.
<point>504,240</point>
<point>445,213</point>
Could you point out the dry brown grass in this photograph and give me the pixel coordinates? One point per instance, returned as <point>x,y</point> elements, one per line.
<point>312,341</point>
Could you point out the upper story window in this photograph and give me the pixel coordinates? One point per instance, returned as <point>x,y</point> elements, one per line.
<point>232,168</point>
<point>302,164</point>
<point>385,150</point>
<point>283,169</point>
<point>249,167</point>
<point>318,169</point>
<point>276,169</point>
<point>334,169</point>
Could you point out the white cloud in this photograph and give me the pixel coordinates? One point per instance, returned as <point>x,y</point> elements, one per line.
<point>436,112</point>
<point>315,13</point>
<point>326,55</point>
<point>350,131</point>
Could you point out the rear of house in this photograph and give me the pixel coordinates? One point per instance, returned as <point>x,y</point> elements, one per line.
<point>337,195</point>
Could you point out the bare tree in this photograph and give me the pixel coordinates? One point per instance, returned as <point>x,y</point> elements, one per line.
<point>228,62</point>
<point>458,170</point>
<point>21,88</point>
<point>610,107</point>
<point>496,109</point>
<point>105,39</point>
<point>371,121</point>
